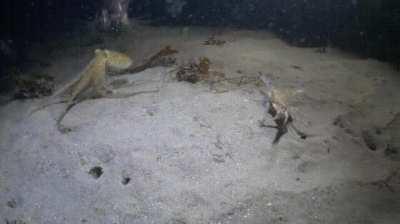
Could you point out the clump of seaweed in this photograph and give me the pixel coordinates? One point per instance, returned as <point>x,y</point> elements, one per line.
<point>212,41</point>
<point>218,82</point>
<point>194,72</point>
<point>188,73</point>
<point>33,86</point>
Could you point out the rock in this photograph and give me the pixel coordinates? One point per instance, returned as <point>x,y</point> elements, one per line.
<point>96,172</point>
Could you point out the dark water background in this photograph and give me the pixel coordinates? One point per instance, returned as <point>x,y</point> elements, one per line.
<point>370,28</point>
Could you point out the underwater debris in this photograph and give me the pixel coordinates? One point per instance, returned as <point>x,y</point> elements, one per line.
<point>34,86</point>
<point>92,79</point>
<point>188,73</point>
<point>278,108</point>
<point>96,172</point>
<point>212,41</point>
<point>125,180</point>
<point>158,59</point>
<point>194,72</point>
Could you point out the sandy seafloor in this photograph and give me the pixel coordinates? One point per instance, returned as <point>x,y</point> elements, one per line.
<point>196,156</point>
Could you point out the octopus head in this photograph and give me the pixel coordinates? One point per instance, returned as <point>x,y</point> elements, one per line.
<point>116,61</point>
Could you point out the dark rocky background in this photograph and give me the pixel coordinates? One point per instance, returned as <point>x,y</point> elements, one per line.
<point>369,28</point>
<point>25,23</point>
